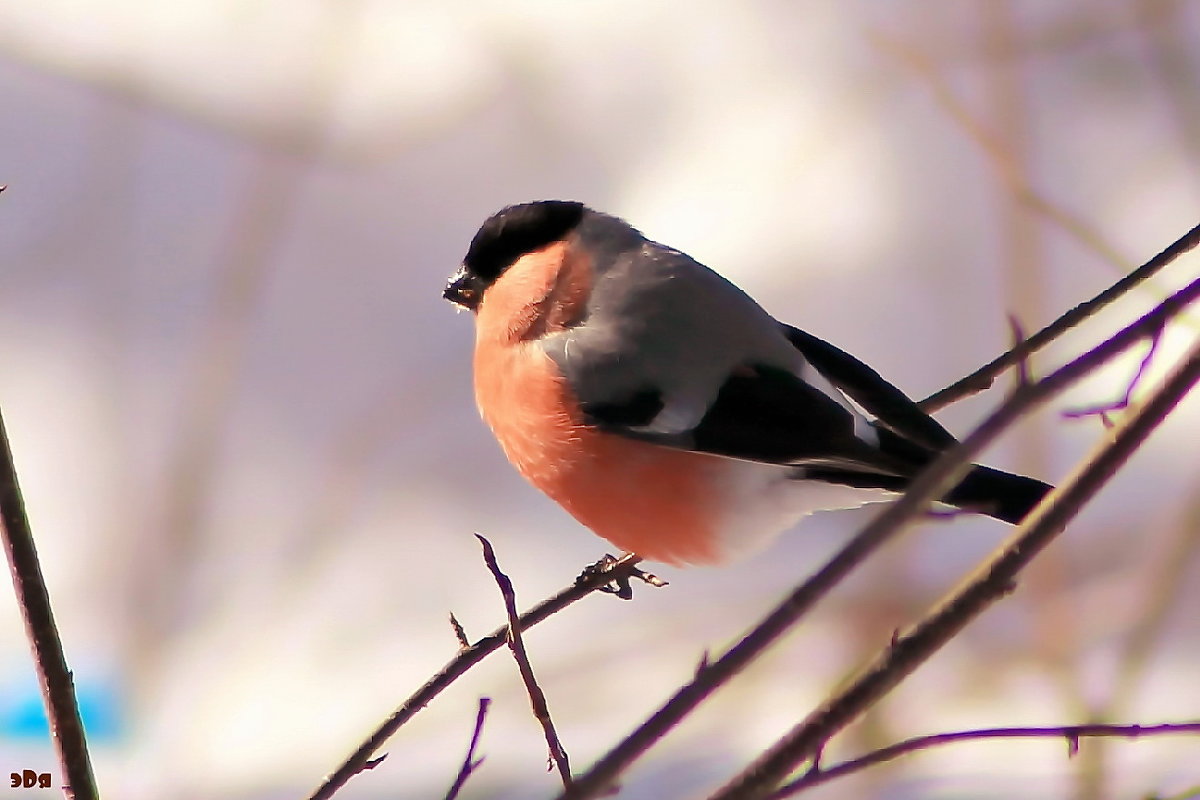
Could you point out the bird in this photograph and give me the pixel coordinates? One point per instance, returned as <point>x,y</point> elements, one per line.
<point>665,409</point>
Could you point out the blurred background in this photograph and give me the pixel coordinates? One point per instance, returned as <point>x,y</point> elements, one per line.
<point>243,419</point>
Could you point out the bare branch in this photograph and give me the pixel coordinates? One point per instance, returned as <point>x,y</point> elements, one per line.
<point>537,698</point>
<point>1025,193</point>
<point>982,378</point>
<point>1018,338</point>
<point>1071,733</point>
<point>1104,409</point>
<point>459,633</point>
<point>58,687</point>
<point>470,763</point>
<point>990,582</point>
<point>589,581</point>
<point>931,484</point>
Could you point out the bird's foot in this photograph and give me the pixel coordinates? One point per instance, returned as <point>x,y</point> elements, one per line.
<point>612,575</point>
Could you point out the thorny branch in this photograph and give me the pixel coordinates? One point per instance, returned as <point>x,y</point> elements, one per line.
<point>537,698</point>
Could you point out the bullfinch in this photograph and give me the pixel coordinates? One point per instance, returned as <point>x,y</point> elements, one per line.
<point>668,412</point>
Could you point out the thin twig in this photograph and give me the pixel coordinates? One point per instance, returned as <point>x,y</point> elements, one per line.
<point>982,378</point>
<point>991,581</point>
<point>470,763</point>
<point>537,698</point>
<point>591,580</point>
<point>931,484</point>
<point>1071,733</point>
<point>1104,409</point>
<point>459,633</point>
<point>1018,338</point>
<point>58,687</point>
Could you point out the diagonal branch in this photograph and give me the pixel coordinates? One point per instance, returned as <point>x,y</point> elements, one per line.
<point>992,580</point>
<point>537,698</point>
<point>1024,192</point>
<point>58,687</point>
<point>982,378</point>
<point>1070,733</point>
<point>593,579</point>
<point>933,483</point>
<point>1102,410</point>
<point>470,763</point>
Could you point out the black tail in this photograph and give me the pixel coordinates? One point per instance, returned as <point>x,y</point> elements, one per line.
<point>993,492</point>
<point>998,494</point>
<point>910,437</point>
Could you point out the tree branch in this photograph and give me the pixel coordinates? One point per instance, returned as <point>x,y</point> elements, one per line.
<point>470,763</point>
<point>991,582</point>
<point>537,698</point>
<point>983,377</point>
<point>592,579</point>
<point>1070,733</point>
<point>1026,194</point>
<point>58,687</point>
<point>1102,410</point>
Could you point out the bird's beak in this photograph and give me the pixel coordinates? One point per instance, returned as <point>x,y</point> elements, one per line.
<point>464,290</point>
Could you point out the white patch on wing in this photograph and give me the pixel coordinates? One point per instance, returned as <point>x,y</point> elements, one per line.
<point>762,501</point>
<point>679,414</point>
<point>683,412</point>
<point>863,428</point>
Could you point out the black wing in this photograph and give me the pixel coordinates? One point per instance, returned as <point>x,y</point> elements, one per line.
<point>761,414</point>
<point>891,407</point>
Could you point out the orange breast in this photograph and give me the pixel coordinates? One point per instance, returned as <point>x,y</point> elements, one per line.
<point>643,498</point>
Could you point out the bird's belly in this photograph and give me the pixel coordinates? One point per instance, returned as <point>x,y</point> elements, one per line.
<point>655,501</point>
<point>763,500</point>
